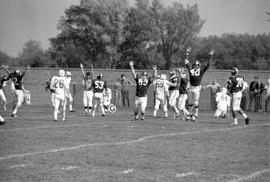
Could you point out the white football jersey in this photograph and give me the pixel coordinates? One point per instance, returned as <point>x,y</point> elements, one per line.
<point>68,82</point>
<point>161,87</point>
<point>59,84</point>
<point>223,100</point>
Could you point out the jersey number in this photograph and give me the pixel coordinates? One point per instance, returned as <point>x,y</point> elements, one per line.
<point>240,82</point>
<point>160,84</point>
<point>195,72</point>
<point>99,84</point>
<point>143,82</point>
<point>59,83</point>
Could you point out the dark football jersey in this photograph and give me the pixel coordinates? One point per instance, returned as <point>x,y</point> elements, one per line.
<point>183,86</point>
<point>99,85</point>
<point>176,80</point>
<point>87,84</point>
<point>235,83</point>
<point>17,80</point>
<point>196,74</point>
<point>142,85</point>
<point>2,81</point>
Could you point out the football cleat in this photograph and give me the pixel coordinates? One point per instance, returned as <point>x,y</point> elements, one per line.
<point>175,115</point>
<point>136,117</point>
<point>2,122</point>
<point>103,115</point>
<point>247,121</point>
<point>55,120</point>
<point>13,115</point>
<point>193,118</point>
<point>142,118</point>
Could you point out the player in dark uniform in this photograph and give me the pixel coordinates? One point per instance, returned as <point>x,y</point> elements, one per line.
<point>235,87</point>
<point>196,72</point>
<point>99,86</point>
<point>87,90</point>
<point>174,92</point>
<point>183,93</point>
<point>142,85</point>
<point>17,78</point>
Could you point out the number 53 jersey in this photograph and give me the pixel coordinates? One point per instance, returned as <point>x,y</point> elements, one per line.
<point>59,84</point>
<point>142,85</point>
<point>99,85</point>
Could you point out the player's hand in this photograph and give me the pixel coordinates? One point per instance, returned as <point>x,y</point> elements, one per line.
<point>81,65</point>
<point>28,67</point>
<point>155,67</point>
<point>211,53</point>
<point>186,61</point>
<point>131,63</point>
<point>188,50</point>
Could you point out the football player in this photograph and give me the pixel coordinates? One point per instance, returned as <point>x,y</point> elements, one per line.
<point>17,77</point>
<point>223,101</point>
<point>59,86</point>
<point>3,99</point>
<point>161,85</point>
<point>142,85</point>
<point>99,85</point>
<point>235,87</point>
<point>196,72</point>
<point>183,92</point>
<point>87,90</point>
<point>107,96</point>
<point>174,92</point>
<point>69,95</point>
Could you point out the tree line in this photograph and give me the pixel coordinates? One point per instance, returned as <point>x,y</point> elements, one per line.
<point>109,34</point>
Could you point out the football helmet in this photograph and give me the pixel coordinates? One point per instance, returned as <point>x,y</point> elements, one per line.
<point>172,74</point>
<point>223,90</point>
<point>234,71</point>
<point>99,76</point>
<point>68,73</point>
<point>62,72</point>
<point>197,64</point>
<point>163,77</point>
<point>144,74</point>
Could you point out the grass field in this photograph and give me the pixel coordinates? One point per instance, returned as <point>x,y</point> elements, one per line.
<point>115,148</point>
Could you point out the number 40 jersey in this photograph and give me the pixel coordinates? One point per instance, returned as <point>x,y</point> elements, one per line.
<point>196,74</point>
<point>59,84</point>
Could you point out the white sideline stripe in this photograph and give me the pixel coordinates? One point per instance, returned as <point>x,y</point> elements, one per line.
<point>59,126</point>
<point>116,143</point>
<point>70,167</point>
<point>251,176</point>
<point>179,175</point>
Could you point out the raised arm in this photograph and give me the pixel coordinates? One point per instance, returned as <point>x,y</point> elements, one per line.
<point>6,69</point>
<point>82,70</point>
<point>92,71</point>
<point>211,53</point>
<point>131,64</point>
<point>187,57</point>
<point>154,72</point>
<point>26,69</point>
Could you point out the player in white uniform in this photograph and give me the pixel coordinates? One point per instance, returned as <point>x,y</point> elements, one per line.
<point>174,92</point>
<point>59,85</point>
<point>69,95</point>
<point>107,96</point>
<point>3,99</point>
<point>223,101</point>
<point>161,89</point>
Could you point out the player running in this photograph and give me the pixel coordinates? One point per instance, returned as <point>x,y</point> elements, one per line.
<point>59,86</point>
<point>161,85</point>
<point>87,90</point>
<point>183,93</point>
<point>174,92</point>
<point>196,72</point>
<point>3,99</point>
<point>69,95</point>
<point>235,87</point>
<point>17,78</point>
<point>99,85</point>
<point>223,101</point>
<point>142,85</point>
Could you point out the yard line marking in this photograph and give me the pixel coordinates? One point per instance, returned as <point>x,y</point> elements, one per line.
<point>21,165</point>
<point>118,143</point>
<point>180,175</point>
<point>251,176</point>
<point>127,171</point>
<point>70,168</point>
<point>58,126</point>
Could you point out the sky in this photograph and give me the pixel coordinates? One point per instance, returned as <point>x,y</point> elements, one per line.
<point>23,20</point>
